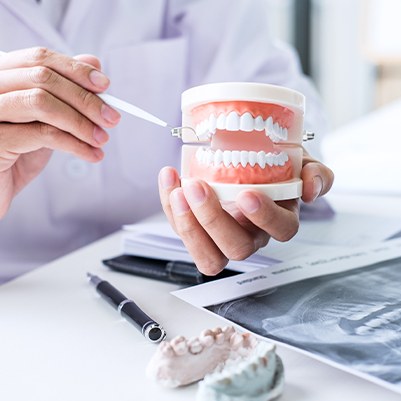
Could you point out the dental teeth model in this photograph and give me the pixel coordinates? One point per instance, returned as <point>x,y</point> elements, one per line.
<point>259,377</point>
<point>248,135</point>
<point>234,366</point>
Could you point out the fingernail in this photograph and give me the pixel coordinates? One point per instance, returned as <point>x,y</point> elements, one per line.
<point>194,192</point>
<point>100,135</point>
<point>167,178</point>
<point>99,79</point>
<point>178,203</point>
<point>99,154</point>
<point>109,114</point>
<point>317,186</point>
<point>249,203</point>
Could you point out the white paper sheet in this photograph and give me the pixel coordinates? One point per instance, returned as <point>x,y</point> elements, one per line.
<point>155,238</point>
<point>282,273</point>
<point>158,240</point>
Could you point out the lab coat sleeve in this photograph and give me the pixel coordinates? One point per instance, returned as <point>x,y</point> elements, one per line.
<point>231,41</point>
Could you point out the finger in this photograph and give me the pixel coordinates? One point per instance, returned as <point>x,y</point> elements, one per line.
<point>280,220</point>
<point>17,139</point>
<point>81,73</point>
<point>77,97</point>
<point>317,179</point>
<point>89,59</point>
<point>39,105</point>
<point>168,180</point>
<point>261,238</point>
<point>207,256</point>
<point>230,237</point>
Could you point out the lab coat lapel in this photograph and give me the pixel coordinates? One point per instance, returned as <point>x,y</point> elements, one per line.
<point>31,16</point>
<point>76,12</point>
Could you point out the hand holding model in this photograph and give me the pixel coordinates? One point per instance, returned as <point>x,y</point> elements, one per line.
<point>214,233</point>
<point>47,102</point>
<point>250,156</point>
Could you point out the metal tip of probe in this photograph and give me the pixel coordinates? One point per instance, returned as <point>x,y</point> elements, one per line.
<point>308,136</point>
<point>177,131</point>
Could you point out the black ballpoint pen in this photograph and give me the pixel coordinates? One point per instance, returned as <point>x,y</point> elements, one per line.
<point>129,309</point>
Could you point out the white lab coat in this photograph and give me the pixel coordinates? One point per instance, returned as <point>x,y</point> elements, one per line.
<point>152,50</point>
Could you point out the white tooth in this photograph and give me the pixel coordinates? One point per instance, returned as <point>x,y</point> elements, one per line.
<point>259,123</point>
<point>246,122</point>
<point>285,134</point>
<point>209,157</point>
<point>197,130</point>
<point>228,331</point>
<point>269,159</point>
<point>219,338</point>
<point>252,158</point>
<point>179,345</point>
<point>244,158</point>
<point>207,341</point>
<point>205,127</point>
<point>269,126</point>
<point>236,341</point>
<point>280,161</point>
<point>276,129</point>
<point>261,158</point>
<point>217,330</point>
<point>206,338</point>
<point>221,121</point>
<point>166,349</point>
<point>232,122</point>
<point>181,348</point>
<point>204,156</point>
<point>212,123</point>
<point>226,158</point>
<point>235,157</point>
<point>194,345</point>
<point>199,155</point>
<point>281,135</point>
<point>218,157</point>
<point>285,158</point>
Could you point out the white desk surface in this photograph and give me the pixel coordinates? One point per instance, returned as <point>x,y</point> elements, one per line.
<point>364,154</point>
<point>60,341</point>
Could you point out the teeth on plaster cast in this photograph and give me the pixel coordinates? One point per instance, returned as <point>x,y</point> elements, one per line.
<point>166,349</point>
<point>231,364</point>
<point>206,340</point>
<point>228,331</point>
<point>258,377</point>
<point>179,345</point>
<point>194,345</point>
<point>244,122</point>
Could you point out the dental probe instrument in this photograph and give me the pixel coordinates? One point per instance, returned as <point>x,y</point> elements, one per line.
<point>138,112</point>
<point>144,115</point>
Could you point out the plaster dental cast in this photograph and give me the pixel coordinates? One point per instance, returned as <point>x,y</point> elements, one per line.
<point>72,169</point>
<point>229,366</point>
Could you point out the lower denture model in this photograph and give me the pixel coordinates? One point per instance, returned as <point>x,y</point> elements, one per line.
<point>233,366</point>
<point>251,138</point>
